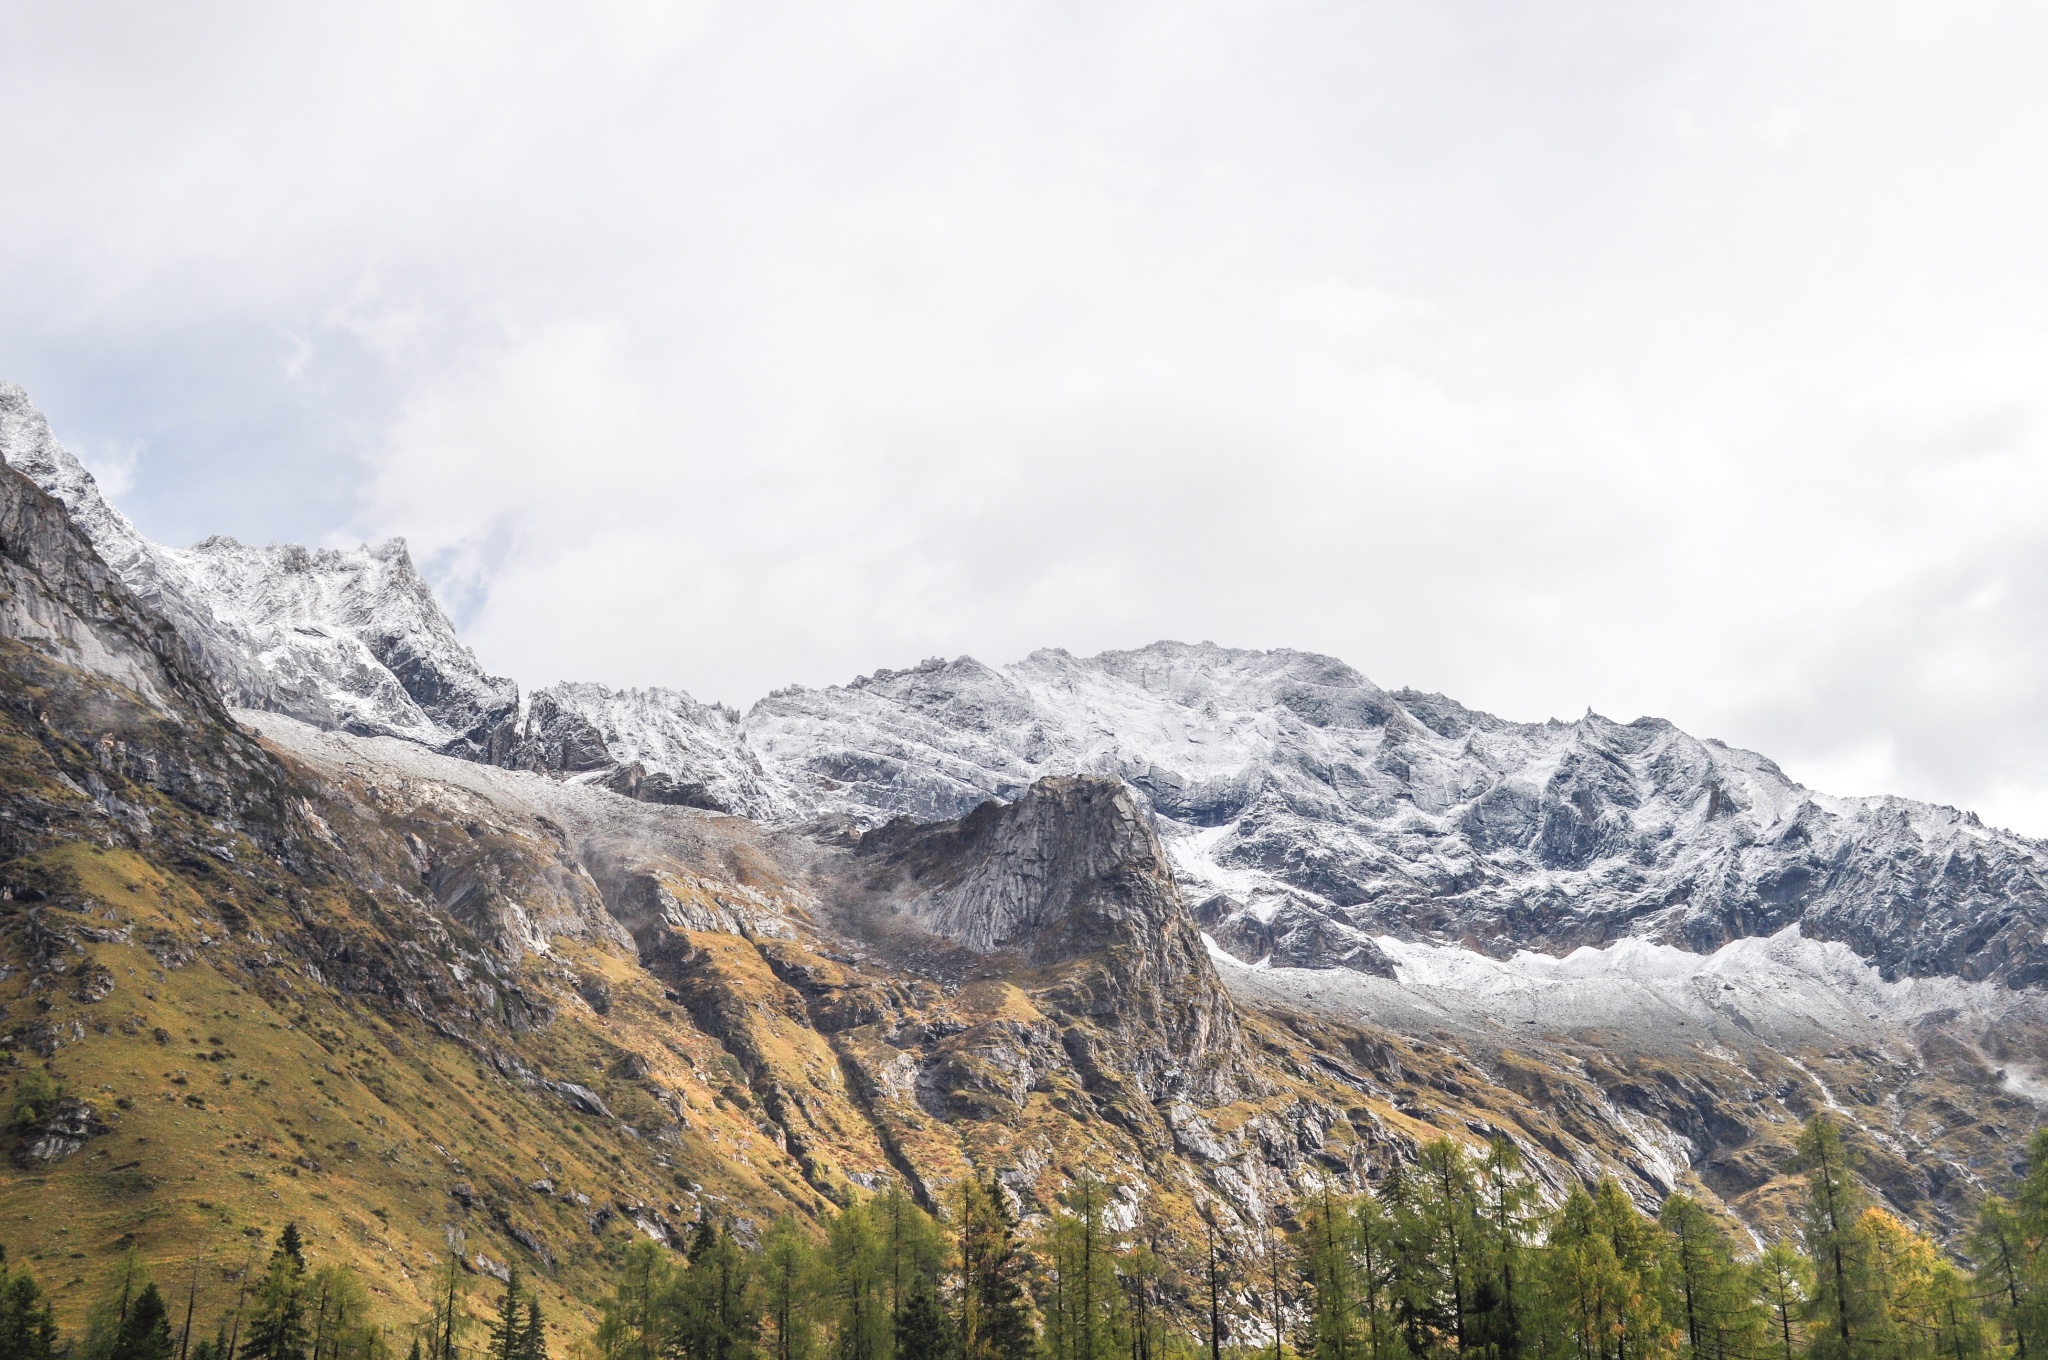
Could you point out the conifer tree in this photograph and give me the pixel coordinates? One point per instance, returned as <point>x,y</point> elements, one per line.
<point>145,1332</point>
<point>214,1347</point>
<point>506,1333</point>
<point>789,1271</point>
<point>1781,1280</point>
<point>2011,1274</point>
<point>1435,1205</point>
<point>1951,1323</point>
<point>445,1323</point>
<point>341,1311</point>
<point>1601,1280</point>
<point>277,1327</point>
<point>1842,1306</point>
<point>858,1254</point>
<point>1713,1302</point>
<point>718,1317</point>
<point>922,1332</point>
<point>2012,1242</point>
<point>1900,1286</point>
<point>995,1311</point>
<point>636,1317</point>
<point>1082,1287</point>
<point>108,1316</point>
<point>28,1323</point>
<point>915,1245</point>
<point>1327,1259</point>
<point>533,1337</point>
<point>1504,1223</point>
<point>1378,1266</point>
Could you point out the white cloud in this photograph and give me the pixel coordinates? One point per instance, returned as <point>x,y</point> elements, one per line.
<point>113,465</point>
<point>1684,362</point>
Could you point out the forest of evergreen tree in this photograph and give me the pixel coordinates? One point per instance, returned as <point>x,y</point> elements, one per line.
<point>1456,1253</point>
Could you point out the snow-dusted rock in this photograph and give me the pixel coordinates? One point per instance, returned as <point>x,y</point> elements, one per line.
<point>361,627</point>
<point>658,745</point>
<point>349,639</point>
<point>1306,810</point>
<point>1305,805</point>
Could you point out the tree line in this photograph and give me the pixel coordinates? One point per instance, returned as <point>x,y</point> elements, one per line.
<point>1454,1254</point>
<point>288,1310</point>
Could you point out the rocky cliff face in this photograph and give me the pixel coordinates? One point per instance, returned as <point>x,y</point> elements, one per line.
<point>1071,873</point>
<point>350,639</point>
<point>1306,811</point>
<point>1311,811</point>
<point>424,991</point>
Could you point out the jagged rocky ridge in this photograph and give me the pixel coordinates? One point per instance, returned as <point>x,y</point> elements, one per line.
<point>1020,988</point>
<point>1308,810</point>
<point>351,639</point>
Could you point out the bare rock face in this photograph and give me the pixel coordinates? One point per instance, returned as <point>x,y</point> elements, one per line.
<point>362,628</point>
<point>1071,875</point>
<point>656,745</point>
<point>1311,811</point>
<point>348,639</point>
<point>71,1124</point>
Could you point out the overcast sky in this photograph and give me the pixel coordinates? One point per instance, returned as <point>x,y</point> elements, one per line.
<point>1658,358</point>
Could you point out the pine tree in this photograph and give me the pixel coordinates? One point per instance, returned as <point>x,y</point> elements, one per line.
<point>2012,1242</point>
<point>277,1329</point>
<point>505,1333</point>
<point>915,1246</point>
<point>922,1332</point>
<point>1083,1291</point>
<point>146,1331</point>
<point>2010,1274</point>
<point>445,1323</point>
<point>28,1323</point>
<point>1900,1285</point>
<point>108,1316</point>
<point>636,1317</point>
<point>718,1317</point>
<point>1842,1305</point>
<point>1435,1207</point>
<point>1504,1221</point>
<point>860,1286</point>
<point>1378,1256</point>
<point>995,1311</point>
<point>1326,1255</point>
<point>1782,1282</point>
<point>789,1271</point>
<point>1714,1303</point>
<point>533,1337</point>
<point>1600,1280</point>
<point>1952,1325</point>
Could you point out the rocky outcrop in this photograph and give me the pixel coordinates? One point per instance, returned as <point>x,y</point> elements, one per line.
<point>1311,810</point>
<point>656,745</point>
<point>1072,874</point>
<point>70,1125</point>
<point>59,597</point>
<point>362,628</point>
<point>350,639</point>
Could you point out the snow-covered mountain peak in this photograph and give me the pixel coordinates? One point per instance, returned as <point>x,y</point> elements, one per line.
<point>338,637</point>
<point>1307,810</point>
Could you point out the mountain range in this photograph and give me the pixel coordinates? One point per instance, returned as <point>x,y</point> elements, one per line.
<point>1219,921</point>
